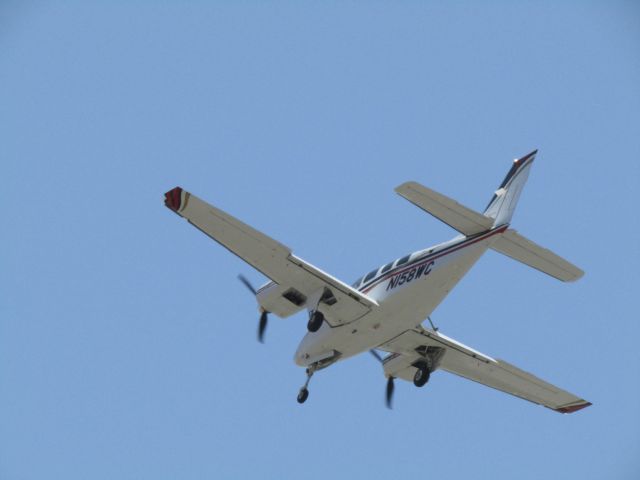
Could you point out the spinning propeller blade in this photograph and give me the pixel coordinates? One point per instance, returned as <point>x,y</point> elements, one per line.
<point>390,385</point>
<point>247,284</point>
<point>389,396</point>
<point>376,354</point>
<point>262,325</point>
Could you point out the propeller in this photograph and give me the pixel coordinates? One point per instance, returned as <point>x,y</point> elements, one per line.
<point>376,354</point>
<point>389,395</point>
<point>262,325</point>
<point>247,284</point>
<point>390,385</point>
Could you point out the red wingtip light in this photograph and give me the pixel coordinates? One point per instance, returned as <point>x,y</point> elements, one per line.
<point>173,198</point>
<point>573,408</point>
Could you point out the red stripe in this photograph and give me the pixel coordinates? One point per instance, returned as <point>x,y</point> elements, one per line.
<point>442,254</point>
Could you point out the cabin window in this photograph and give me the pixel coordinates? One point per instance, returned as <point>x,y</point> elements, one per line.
<point>403,260</point>
<point>370,275</point>
<point>386,268</point>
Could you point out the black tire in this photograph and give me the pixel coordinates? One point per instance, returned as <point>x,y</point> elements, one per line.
<point>315,321</point>
<point>421,377</point>
<point>303,395</point>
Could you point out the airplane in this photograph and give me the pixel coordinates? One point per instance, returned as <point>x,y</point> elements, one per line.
<point>384,310</point>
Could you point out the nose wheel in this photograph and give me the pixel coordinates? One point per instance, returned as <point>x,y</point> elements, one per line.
<point>303,394</point>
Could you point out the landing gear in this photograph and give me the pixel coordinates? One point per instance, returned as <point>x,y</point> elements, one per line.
<point>303,394</point>
<point>422,374</point>
<point>315,321</point>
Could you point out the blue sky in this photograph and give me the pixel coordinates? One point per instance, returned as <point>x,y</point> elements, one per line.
<point>127,346</point>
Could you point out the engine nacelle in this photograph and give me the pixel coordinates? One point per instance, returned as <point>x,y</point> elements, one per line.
<point>282,301</point>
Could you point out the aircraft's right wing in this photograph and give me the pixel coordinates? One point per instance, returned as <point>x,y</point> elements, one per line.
<point>457,358</point>
<point>296,284</point>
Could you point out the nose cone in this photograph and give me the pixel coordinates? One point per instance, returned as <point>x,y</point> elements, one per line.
<point>303,352</point>
<point>315,346</point>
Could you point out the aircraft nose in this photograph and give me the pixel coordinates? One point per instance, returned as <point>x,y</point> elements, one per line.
<point>312,345</point>
<point>302,353</point>
<point>299,359</point>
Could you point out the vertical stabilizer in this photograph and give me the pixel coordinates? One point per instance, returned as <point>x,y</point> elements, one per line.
<point>505,199</point>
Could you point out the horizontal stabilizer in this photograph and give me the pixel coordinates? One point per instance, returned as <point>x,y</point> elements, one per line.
<point>514,245</point>
<point>463,219</point>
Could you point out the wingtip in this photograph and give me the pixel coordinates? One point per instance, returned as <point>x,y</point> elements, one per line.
<point>173,199</point>
<point>573,408</point>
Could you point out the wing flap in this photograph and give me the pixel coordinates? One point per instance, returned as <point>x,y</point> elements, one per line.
<point>270,257</point>
<point>463,219</point>
<point>520,248</point>
<point>473,365</point>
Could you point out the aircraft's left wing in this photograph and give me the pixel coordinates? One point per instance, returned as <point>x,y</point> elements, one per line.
<point>457,358</point>
<point>297,284</point>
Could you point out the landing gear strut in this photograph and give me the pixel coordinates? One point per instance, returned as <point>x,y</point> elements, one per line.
<point>315,321</point>
<point>422,374</point>
<point>303,394</point>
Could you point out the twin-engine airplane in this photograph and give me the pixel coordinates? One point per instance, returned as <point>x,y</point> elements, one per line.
<point>385,308</point>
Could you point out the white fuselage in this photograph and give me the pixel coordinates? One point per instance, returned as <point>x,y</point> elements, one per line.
<point>408,291</point>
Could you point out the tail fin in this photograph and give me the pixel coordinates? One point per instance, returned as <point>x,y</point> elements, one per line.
<point>505,199</point>
<point>498,212</point>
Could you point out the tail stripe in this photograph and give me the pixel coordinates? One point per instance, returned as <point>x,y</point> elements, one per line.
<point>515,168</point>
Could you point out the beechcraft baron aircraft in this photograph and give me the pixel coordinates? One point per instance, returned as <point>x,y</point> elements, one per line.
<point>384,309</point>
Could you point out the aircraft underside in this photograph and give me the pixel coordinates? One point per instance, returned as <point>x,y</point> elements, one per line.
<point>399,311</point>
<point>385,308</point>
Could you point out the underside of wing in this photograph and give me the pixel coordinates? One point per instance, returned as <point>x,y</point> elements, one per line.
<point>447,354</point>
<point>295,284</point>
<point>463,219</point>
<point>520,248</point>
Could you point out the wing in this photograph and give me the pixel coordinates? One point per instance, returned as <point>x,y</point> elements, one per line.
<point>296,283</point>
<point>452,356</point>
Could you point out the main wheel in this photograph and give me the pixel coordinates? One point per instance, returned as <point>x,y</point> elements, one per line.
<point>302,395</point>
<point>422,374</point>
<point>315,321</point>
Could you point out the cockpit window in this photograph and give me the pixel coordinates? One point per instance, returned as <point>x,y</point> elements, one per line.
<point>370,275</point>
<point>356,283</point>
<point>386,268</point>
<point>403,260</point>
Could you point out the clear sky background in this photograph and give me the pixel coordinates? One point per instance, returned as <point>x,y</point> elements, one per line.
<point>127,345</point>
